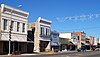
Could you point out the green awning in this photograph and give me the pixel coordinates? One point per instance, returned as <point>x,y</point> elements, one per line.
<point>63,41</point>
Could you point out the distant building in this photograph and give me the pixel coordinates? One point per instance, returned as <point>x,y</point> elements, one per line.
<point>30,38</point>
<point>41,34</point>
<point>68,40</point>
<point>98,40</point>
<point>54,40</point>
<point>87,43</point>
<point>95,41</point>
<point>18,20</point>
<point>91,40</point>
<point>81,38</point>
<point>87,40</point>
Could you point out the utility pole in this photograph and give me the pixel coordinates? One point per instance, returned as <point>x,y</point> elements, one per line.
<point>10,29</point>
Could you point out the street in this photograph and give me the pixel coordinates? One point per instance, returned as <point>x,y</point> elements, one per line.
<point>65,54</point>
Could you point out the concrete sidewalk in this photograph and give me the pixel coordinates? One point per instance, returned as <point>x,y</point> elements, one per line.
<point>41,53</point>
<point>67,51</point>
<point>30,54</point>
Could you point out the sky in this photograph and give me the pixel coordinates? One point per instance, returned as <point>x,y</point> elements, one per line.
<point>61,13</point>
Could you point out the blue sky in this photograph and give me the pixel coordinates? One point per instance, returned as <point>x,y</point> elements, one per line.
<point>53,9</point>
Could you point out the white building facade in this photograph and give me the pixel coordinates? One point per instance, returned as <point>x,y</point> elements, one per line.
<point>95,41</point>
<point>18,20</point>
<point>41,35</point>
<point>98,40</point>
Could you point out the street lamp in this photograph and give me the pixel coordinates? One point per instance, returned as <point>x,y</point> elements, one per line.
<point>10,29</point>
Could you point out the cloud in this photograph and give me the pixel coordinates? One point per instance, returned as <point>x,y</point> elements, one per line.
<point>81,17</point>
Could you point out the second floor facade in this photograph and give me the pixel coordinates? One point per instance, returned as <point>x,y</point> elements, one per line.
<point>42,29</point>
<point>15,20</point>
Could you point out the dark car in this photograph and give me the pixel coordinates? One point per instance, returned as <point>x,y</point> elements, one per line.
<point>81,49</point>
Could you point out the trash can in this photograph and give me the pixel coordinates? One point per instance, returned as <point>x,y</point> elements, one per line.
<point>55,50</point>
<point>15,53</point>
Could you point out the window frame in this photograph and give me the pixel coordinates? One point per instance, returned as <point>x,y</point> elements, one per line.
<point>23,27</point>
<point>18,26</point>
<point>4,24</point>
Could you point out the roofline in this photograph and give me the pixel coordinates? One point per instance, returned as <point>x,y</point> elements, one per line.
<point>4,5</point>
<point>40,18</point>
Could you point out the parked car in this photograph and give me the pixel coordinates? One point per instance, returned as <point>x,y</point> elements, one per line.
<point>93,49</point>
<point>81,49</point>
<point>97,49</point>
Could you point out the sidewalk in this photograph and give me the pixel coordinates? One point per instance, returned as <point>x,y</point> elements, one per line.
<point>67,51</point>
<point>30,54</point>
<point>41,53</point>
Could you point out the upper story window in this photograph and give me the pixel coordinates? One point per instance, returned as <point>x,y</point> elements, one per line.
<point>74,40</point>
<point>54,36</point>
<point>47,31</point>
<point>12,25</point>
<point>18,26</point>
<point>23,27</point>
<point>41,31</point>
<point>5,24</point>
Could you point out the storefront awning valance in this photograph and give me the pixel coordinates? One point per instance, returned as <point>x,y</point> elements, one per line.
<point>64,41</point>
<point>84,43</point>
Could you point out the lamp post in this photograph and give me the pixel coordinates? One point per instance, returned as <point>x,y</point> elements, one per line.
<point>10,29</point>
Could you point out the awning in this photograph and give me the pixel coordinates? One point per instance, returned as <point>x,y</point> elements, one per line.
<point>84,43</point>
<point>26,41</point>
<point>63,41</point>
<point>18,41</point>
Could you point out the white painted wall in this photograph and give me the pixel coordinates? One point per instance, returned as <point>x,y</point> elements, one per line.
<point>44,38</point>
<point>65,35</point>
<point>15,36</point>
<point>99,40</point>
<point>95,41</point>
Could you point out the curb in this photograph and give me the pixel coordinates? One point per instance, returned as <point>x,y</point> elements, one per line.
<point>41,53</point>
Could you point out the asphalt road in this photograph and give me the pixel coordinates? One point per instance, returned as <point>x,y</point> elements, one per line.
<point>66,54</point>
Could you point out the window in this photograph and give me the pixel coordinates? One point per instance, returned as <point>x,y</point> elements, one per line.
<point>12,24</point>
<point>46,31</point>
<point>54,36</point>
<point>42,31</point>
<point>74,40</point>
<point>23,27</point>
<point>5,24</point>
<point>18,26</point>
<point>78,38</point>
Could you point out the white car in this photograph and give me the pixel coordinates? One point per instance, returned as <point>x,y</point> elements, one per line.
<point>97,49</point>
